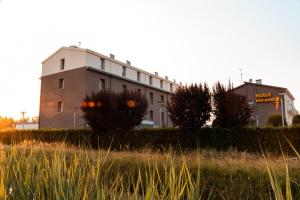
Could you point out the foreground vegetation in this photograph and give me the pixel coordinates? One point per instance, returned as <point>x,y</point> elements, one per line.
<point>58,171</point>
<point>241,139</point>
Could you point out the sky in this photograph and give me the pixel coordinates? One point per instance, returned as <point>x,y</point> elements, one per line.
<point>192,41</point>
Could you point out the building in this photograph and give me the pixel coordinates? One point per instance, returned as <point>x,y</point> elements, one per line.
<point>71,73</point>
<point>265,100</point>
<point>27,126</point>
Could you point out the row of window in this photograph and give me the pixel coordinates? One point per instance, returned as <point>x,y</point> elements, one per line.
<point>151,113</point>
<point>102,87</point>
<point>124,71</point>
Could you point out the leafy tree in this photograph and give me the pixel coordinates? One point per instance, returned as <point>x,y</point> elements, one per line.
<point>230,109</point>
<point>275,120</point>
<point>190,106</point>
<point>106,110</point>
<point>131,108</point>
<point>6,123</point>
<point>296,120</point>
<point>99,110</point>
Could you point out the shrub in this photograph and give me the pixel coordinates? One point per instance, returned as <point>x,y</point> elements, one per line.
<point>275,120</point>
<point>230,109</point>
<point>296,120</point>
<point>106,110</point>
<point>190,106</point>
<point>99,110</point>
<point>130,110</point>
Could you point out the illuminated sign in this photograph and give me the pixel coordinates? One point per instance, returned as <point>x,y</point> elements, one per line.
<point>267,98</point>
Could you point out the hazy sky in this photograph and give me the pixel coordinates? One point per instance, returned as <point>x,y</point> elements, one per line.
<point>189,40</point>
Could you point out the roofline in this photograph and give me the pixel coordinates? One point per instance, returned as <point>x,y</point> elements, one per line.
<point>270,86</point>
<point>108,58</point>
<point>127,79</point>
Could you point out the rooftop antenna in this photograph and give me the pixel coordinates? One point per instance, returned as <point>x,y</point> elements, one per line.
<point>241,71</point>
<point>79,44</point>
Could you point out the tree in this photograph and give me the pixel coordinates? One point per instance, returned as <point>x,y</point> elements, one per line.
<point>105,110</point>
<point>6,123</point>
<point>275,120</point>
<point>99,110</point>
<point>296,120</point>
<point>230,109</point>
<point>190,106</point>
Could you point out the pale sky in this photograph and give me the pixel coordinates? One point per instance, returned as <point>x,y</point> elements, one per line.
<point>189,40</point>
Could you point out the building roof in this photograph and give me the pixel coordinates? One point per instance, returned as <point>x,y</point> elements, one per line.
<point>75,48</point>
<point>270,86</point>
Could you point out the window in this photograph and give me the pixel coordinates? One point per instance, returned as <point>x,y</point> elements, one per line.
<point>151,98</point>
<point>162,99</point>
<point>151,115</point>
<point>62,64</point>
<point>102,63</point>
<point>139,91</point>
<point>124,87</point>
<point>102,84</point>
<point>171,87</point>
<point>123,71</point>
<point>161,84</point>
<point>60,106</point>
<point>61,83</point>
<point>138,74</point>
<point>150,80</point>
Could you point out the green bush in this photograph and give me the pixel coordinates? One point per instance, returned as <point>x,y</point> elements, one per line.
<point>275,120</point>
<point>190,106</point>
<point>230,109</point>
<point>241,139</point>
<point>296,120</point>
<point>106,110</point>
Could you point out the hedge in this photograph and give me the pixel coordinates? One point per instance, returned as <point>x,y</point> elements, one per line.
<point>241,139</point>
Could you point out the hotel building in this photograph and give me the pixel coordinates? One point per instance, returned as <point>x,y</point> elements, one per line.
<point>71,73</point>
<point>266,100</point>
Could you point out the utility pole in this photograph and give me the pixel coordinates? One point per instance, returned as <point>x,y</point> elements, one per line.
<point>281,93</point>
<point>74,116</point>
<point>23,118</point>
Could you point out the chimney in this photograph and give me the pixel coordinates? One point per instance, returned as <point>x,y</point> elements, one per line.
<point>180,83</point>
<point>156,73</point>
<point>166,77</point>
<point>250,80</point>
<point>112,56</point>
<point>128,62</point>
<point>259,81</point>
<point>174,80</point>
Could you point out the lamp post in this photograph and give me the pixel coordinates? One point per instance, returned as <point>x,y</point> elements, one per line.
<point>161,106</point>
<point>23,118</point>
<point>281,93</point>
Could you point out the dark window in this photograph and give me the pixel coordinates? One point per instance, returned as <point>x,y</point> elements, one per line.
<point>151,115</point>
<point>102,84</point>
<point>62,64</point>
<point>61,83</point>
<point>151,98</point>
<point>60,106</point>
<point>139,91</point>
<point>138,74</point>
<point>150,80</point>
<point>161,84</point>
<point>124,87</point>
<point>162,99</point>
<point>102,63</point>
<point>171,87</point>
<point>123,71</point>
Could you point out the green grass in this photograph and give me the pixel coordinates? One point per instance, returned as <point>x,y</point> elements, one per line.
<point>57,171</point>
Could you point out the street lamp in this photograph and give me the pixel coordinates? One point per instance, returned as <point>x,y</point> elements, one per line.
<point>161,106</point>
<point>281,94</point>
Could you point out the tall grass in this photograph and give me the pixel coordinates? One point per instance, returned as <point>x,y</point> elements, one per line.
<point>34,171</point>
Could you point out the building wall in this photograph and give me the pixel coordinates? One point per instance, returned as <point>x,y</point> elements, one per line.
<point>71,96</point>
<point>262,111</point>
<point>80,82</point>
